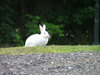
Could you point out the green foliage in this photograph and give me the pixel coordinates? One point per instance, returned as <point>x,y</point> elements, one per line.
<point>5,22</point>
<point>83,14</point>
<point>70,17</point>
<point>32,27</point>
<point>53,29</point>
<point>7,31</point>
<point>17,40</point>
<point>5,35</point>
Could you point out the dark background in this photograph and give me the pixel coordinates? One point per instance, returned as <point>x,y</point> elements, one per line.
<point>69,22</point>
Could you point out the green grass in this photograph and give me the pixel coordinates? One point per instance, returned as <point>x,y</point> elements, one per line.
<point>48,49</point>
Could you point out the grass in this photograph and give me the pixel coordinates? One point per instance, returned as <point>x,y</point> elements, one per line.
<point>48,49</point>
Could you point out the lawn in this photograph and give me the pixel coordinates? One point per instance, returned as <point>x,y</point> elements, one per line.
<point>48,49</point>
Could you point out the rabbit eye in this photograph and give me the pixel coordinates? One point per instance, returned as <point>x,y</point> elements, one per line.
<point>44,33</point>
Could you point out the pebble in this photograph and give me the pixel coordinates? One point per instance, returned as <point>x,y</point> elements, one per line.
<point>76,63</point>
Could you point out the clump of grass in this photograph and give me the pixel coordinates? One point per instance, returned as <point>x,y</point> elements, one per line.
<point>48,49</point>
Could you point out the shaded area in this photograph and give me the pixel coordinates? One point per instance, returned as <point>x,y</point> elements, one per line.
<point>68,22</point>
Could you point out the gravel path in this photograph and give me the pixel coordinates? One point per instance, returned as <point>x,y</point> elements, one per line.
<point>77,63</point>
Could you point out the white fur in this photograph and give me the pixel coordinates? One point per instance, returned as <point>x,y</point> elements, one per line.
<point>38,39</point>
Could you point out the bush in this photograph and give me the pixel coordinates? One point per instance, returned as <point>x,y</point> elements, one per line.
<point>5,33</point>
<point>18,40</point>
<point>33,28</point>
<point>31,25</point>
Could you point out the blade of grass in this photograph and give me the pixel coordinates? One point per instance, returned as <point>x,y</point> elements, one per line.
<point>48,49</point>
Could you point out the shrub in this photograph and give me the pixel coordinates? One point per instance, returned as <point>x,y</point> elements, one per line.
<point>31,25</point>
<point>33,28</point>
<point>18,40</point>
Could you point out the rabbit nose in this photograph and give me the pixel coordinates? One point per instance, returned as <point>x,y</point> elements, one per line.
<point>48,36</point>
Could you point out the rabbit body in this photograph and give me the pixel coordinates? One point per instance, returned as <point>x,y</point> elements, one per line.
<point>38,39</point>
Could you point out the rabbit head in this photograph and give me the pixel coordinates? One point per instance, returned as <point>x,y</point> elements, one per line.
<point>44,33</point>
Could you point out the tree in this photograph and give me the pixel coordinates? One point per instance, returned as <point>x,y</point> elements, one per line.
<point>5,21</point>
<point>75,16</point>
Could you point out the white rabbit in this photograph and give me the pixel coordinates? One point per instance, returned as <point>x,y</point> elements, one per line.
<point>38,39</point>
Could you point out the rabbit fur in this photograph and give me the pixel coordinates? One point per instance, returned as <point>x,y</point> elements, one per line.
<point>38,39</point>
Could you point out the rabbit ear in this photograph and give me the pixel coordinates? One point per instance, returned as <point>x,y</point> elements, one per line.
<point>44,27</point>
<point>41,29</point>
